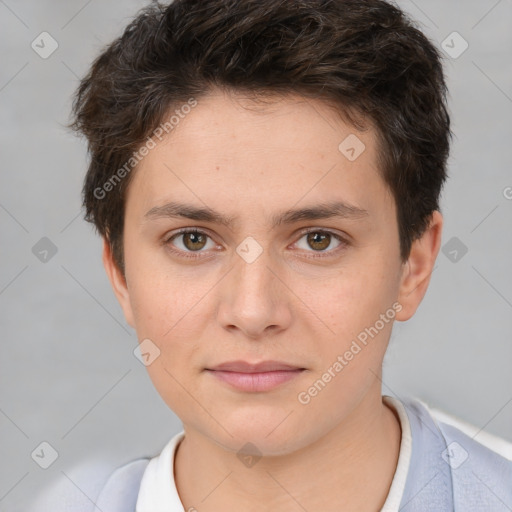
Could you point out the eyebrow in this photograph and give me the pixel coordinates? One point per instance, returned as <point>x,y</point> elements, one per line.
<point>337,209</point>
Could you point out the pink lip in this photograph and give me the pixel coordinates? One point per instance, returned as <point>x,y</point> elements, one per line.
<point>255,377</point>
<point>245,367</point>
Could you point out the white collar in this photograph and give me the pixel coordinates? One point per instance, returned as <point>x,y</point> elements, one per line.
<point>396,491</point>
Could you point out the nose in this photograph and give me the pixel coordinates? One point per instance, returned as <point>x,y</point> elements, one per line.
<point>254,298</point>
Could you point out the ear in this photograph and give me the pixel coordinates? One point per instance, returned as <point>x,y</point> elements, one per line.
<point>418,268</point>
<point>118,282</point>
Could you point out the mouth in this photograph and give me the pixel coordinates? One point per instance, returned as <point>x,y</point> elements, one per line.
<point>259,377</point>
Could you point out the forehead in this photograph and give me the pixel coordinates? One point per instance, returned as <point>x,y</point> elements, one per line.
<point>230,150</point>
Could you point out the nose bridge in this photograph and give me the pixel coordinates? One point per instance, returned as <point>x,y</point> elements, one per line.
<point>252,276</point>
<point>252,299</point>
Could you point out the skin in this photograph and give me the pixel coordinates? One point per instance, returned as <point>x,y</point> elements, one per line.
<point>286,305</point>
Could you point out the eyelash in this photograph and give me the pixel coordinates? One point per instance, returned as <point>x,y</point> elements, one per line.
<point>197,254</point>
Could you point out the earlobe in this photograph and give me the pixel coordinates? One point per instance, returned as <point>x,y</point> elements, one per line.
<point>419,267</point>
<point>117,281</point>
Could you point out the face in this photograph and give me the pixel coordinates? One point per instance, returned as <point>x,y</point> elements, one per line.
<point>301,290</point>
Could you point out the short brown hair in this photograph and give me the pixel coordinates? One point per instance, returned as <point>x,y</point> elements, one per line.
<point>364,56</point>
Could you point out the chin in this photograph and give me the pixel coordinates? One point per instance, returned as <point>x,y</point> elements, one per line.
<point>258,439</point>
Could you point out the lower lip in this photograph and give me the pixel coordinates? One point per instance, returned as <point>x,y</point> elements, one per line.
<point>254,382</point>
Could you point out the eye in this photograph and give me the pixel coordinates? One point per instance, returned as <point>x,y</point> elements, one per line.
<point>191,240</point>
<point>186,242</point>
<point>319,240</point>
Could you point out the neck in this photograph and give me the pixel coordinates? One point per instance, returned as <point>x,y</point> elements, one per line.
<point>353,465</point>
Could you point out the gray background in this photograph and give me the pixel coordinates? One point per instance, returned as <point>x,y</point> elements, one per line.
<point>68,374</point>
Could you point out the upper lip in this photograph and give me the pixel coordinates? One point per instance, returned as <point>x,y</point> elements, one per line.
<point>245,367</point>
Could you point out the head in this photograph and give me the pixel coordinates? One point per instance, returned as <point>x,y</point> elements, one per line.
<point>306,143</point>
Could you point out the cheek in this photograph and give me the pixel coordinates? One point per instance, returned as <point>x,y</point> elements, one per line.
<point>350,359</point>
<point>156,297</point>
<point>151,306</point>
<point>171,319</point>
<point>358,297</point>
<point>169,309</point>
<point>359,313</point>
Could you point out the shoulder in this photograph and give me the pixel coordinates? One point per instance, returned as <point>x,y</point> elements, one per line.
<point>479,472</point>
<point>452,425</point>
<point>478,464</point>
<point>92,486</point>
<point>484,444</point>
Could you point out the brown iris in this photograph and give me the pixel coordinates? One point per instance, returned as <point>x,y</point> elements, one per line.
<point>318,241</point>
<point>197,240</point>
